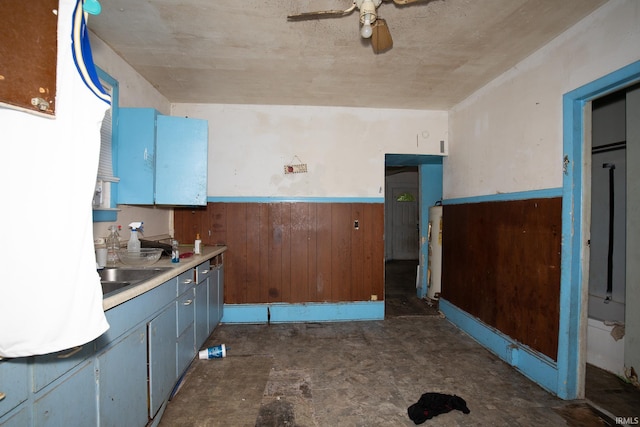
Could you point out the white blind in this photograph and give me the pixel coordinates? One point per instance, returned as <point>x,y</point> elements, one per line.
<point>105,167</point>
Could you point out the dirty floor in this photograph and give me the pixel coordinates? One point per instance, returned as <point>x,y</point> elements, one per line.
<point>361,374</point>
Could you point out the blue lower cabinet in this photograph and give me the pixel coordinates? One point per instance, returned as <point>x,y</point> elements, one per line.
<point>202,313</point>
<point>14,389</point>
<point>125,376</point>
<point>122,381</point>
<point>161,335</point>
<point>185,350</point>
<point>186,343</point>
<point>71,402</point>
<point>220,289</point>
<point>19,418</point>
<point>49,367</point>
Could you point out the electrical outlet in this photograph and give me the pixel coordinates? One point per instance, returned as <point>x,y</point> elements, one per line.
<point>374,297</point>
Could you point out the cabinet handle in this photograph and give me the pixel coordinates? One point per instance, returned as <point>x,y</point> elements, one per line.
<point>2,395</point>
<point>205,271</point>
<point>186,282</point>
<point>71,353</point>
<point>187,302</point>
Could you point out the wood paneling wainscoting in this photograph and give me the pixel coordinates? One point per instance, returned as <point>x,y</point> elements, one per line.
<point>293,252</point>
<point>501,264</point>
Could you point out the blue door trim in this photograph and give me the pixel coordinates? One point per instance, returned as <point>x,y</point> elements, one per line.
<point>570,358</point>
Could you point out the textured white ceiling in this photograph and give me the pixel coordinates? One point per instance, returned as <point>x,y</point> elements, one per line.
<point>246,52</point>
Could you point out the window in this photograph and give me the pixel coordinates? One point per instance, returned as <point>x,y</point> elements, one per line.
<point>106,189</point>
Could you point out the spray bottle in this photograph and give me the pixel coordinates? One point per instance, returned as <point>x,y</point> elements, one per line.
<point>134,243</point>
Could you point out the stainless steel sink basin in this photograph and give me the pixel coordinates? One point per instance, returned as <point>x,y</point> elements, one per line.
<point>117,279</point>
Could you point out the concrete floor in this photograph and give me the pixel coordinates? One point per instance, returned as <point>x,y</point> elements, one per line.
<point>360,374</point>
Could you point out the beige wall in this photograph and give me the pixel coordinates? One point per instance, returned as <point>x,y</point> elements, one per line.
<point>343,148</point>
<point>507,137</point>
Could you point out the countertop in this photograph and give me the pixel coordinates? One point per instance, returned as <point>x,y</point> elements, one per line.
<point>185,264</point>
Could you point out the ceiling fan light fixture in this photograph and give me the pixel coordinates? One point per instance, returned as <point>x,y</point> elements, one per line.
<point>368,16</point>
<point>366,30</point>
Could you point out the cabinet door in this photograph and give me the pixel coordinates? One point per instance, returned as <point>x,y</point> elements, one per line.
<point>20,418</point>
<point>185,350</point>
<point>72,402</point>
<point>135,164</point>
<point>13,383</point>
<point>220,291</point>
<point>214,300</point>
<point>186,344</point>
<point>122,381</point>
<point>181,161</point>
<point>202,317</point>
<point>162,357</point>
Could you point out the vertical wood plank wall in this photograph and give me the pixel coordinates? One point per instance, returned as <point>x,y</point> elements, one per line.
<point>293,252</point>
<point>501,264</point>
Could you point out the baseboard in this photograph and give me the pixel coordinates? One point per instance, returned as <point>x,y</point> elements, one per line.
<point>303,312</point>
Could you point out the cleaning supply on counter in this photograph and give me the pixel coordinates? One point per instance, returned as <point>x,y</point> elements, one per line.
<point>197,246</point>
<point>113,246</point>
<point>101,253</point>
<point>175,252</point>
<point>215,352</point>
<point>134,242</point>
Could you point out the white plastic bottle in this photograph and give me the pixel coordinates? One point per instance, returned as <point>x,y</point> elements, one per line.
<point>134,242</point>
<point>197,246</point>
<point>113,246</point>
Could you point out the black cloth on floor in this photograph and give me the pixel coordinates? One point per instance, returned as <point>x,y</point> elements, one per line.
<point>433,404</point>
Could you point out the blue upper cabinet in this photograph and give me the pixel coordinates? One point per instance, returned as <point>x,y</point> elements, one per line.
<point>181,161</point>
<point>136,155</point>
<point>161,159</point>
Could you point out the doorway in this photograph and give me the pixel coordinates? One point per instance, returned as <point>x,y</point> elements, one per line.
<point>576,212</point>
<point>402,213</point>
<point>412,184</point>
<point>605,359</point>
<point>402,238</point>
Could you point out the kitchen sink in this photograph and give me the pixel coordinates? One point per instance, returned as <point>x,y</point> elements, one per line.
<point>116,279</point>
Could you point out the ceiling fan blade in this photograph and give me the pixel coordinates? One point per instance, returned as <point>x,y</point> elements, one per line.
<point>381,40</point>
<point>322,14</point>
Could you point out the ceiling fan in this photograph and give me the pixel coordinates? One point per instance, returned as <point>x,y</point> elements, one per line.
<point>372,27</point>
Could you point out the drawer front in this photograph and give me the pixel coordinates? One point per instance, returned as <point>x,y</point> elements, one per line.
<point>185,281</point>
<point>185,306</point>
<point>203,271</point>
<point>49,367</point>
<point>125,316</point>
